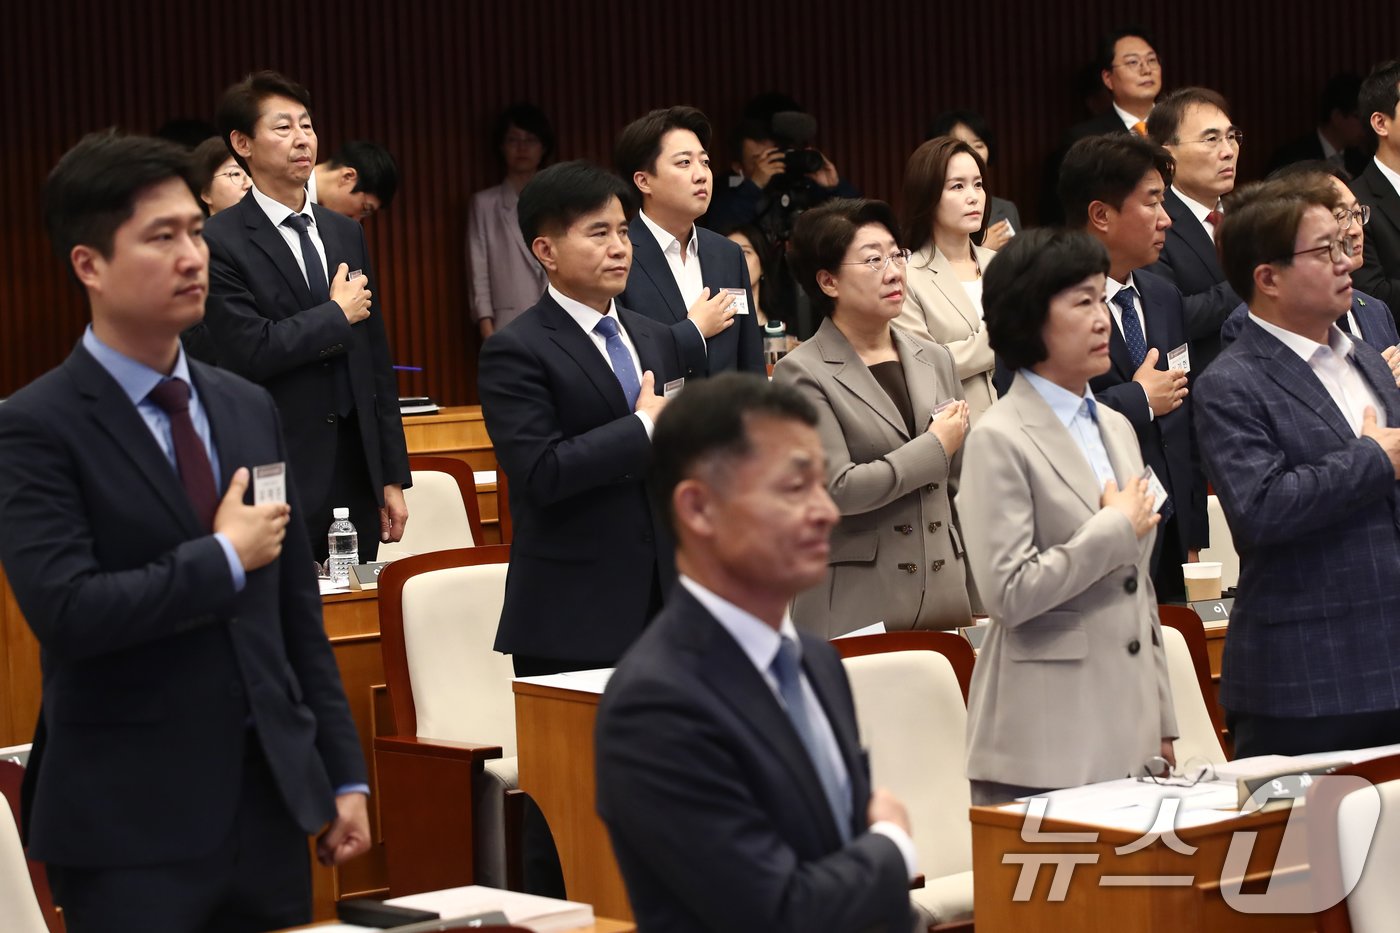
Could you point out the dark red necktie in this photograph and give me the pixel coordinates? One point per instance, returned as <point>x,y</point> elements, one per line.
<point>191,461</point>
<point>1214,218</point>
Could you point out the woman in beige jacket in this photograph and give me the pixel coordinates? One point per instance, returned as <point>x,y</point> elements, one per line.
<point>891,421</point>
<point>944,205</point>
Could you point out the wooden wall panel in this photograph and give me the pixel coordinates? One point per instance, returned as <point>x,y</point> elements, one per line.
<point>425,77</point>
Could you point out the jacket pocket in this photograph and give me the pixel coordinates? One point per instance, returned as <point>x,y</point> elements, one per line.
<point>859,548</point>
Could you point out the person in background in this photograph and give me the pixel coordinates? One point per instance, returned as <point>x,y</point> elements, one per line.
<point>1378,185</point>
<point>505,278</point>
<point>1003,219</point>
<point>358,181</point>
<point>1339,134</point>
<point>1070,686</point>
<point>756,249</point>
<point>222,182</point>
<point>891,419</point>
<point>944,206</point>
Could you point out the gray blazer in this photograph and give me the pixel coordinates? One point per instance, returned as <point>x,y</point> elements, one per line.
<point>896,556</point>
<point>1070,686</point>
<point>936,308</point>
<point>506,278</point>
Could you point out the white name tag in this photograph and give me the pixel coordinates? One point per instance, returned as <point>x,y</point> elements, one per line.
<point>741,300</point>
<point>673,387</point>
<point>269,483</point>
<point>1154,486</point>
<point>1180,358</point>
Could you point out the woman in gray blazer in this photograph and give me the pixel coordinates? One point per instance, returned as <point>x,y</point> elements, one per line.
<point>891,421</point>
<point>505,277</point>
<point>944,205</point>
<point>1070,686</point>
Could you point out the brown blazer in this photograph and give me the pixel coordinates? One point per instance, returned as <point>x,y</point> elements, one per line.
<point>896,557</point>
<point>936,308</point>
<point>1070,686</point>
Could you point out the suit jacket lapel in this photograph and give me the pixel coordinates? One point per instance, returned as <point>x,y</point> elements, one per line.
<point>222,417</point>
<point>1053,440</point>
<point>855,376</point>
<point>946,281</point>
<point>266,237</point>
<point>647,256</point>
<point>920,375</point>
<point>647,351</point>
<point>1118,352</point>
<point>1386,198</point>
<point>1377,374</point>
<point>1192,233</point>
<point>579,347</point>
<point>1296,378</point>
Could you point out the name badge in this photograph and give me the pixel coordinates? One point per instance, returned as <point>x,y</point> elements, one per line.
<point>673,387</point>
<point>1180,358</point>
<point>741,300</point>
<point>269,483</point>
<point>1154,486</point>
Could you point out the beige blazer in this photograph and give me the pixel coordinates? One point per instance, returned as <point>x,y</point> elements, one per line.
<point>506,279</point>
<point>896,556</point>
<point>1070,686</point>
<point>936,308</point>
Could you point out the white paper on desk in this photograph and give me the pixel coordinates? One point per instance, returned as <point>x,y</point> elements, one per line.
<point>877,629</point>
<point>1097,804</point>
<point>1258,766</point>
<point>328,588</point>
<point>484,477</point>
<point>541,914</point>
<point>595,681</point>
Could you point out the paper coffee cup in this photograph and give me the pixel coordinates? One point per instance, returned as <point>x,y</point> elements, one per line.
<point>1202,580</point>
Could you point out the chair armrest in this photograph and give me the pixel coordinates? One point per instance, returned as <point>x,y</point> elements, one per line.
<point>435,748</point>
<point>917,883</point>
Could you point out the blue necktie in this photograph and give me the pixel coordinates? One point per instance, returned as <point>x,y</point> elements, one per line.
<point>621,360</point>
<point>1132,329</point>
<point>315,272</point>
<point>787,669</point>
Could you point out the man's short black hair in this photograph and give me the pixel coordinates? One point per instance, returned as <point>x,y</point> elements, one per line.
<point>376,172</point>
<point>561,194</point>
<point>1108,169</point>
<point>1017,287</point>
<point>945,122</point>
<point>1380,93</point>
<point>529,118</point>
<point>821,236</point>
<point>93,189</point>
<point>1164,122</point>
<point>1108,44</point>
<point>639,143</point>
<point>1261,224</point>
<point>242,103</point>
<point>710,420</point>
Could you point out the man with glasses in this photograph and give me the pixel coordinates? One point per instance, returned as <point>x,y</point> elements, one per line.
<point>1297,427</point>
<point>1379,184</point>
<point>1193,124</point>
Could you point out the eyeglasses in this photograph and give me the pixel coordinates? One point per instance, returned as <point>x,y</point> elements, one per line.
<point>879,264</point>
<point>1231,137</point>
<point>1361,215</point>
<point>1134,63</point>
<point>1157,770</point>
<point>1337,251</point>
<point>235,175</point>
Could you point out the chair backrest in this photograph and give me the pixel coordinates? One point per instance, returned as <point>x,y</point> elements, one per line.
<point>19,904</point>
<point>912,711</point>
<point>1188,668</point>
<point>1222,545</point>
<point>438,615</point>
<point>1354,838</point>
<point>442,509</point>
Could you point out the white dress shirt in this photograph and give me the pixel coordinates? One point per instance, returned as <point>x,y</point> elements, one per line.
<point>687,272</point>
<point>1200,211</point>
<point>277,212</point>
<point>1128,119</point>
<point>759,642</point>
<point>311,188</point>
<point>1334,366</point>
<point>586,318</point>
<point>1390,174</point>
<point>1112,288</point>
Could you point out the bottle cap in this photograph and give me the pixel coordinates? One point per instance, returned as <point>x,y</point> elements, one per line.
<point>338,514</point>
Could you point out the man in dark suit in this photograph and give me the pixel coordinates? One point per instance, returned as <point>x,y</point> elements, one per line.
<point>1112,188</point>
<point>682,274</point>
<point>296,316</point>
<point>194,729</point>
<point>1193,124</point>
<point>571,390</point>
<point>1378,186</point>
<point>1338,135</point>
<point>1132,73</point>
<point>1298,424</point>
<point>730,773</point>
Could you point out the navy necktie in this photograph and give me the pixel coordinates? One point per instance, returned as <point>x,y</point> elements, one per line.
<point>1132,328</point>
<point>787,669</point>
<point>621,360</point>
<point>172,396</point>
<point>315,271</point>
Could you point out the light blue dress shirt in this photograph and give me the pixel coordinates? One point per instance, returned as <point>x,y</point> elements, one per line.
<point>1079,415</point>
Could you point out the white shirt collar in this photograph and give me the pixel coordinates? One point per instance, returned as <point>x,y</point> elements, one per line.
<point>756,638</point>
<point>668,242</point>
<point>1390,174</point>
<point>583,315</point>
<point>1197,208</point>
<point>1328,150</point>
<point>1112,288</point>
<point>1064,403</point>
<point>1128,119</point>
<point>277,212</point>
<point>1306,348</point>
<point>311,188</point>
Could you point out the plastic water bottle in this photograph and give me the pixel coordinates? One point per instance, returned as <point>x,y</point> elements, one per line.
<point>774,344</point>
<point>344,548</point>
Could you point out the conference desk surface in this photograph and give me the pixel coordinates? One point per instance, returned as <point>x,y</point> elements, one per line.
<point>599,925</point>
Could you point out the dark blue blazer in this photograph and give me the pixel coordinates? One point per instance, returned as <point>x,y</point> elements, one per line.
<point>652,291</point>
<point>707,789</point>
<point>269,329</point>
<point>153,666</point>
<point>1189,261</point>
<point>1379,275</point>
<point>1168,442</point>
<point>1315,517</point>
<point>1372,314</point>
<point>587,549</point>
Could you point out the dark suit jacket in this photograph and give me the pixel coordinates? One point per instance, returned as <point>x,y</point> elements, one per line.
<point>267,329</point>
<point>152,664</point>
<point>652,291</point>
<point>1308,148</point>
<point>1379,275</point>
<point>1189,261</point>
<point>1315,518</point>
<point>587,548</point>
<point>715,811</point>
<point>1372,314</point>
<point>1168,442</point>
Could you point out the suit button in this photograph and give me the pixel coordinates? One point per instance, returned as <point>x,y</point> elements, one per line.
<point>1130,585</point>
<point>934,526</point>
<point>931,487</point>
<point>330,419</point>
<point>938,565</point>
<point>904,529</point>
<point>1134,646</point>
<point>908,568</point>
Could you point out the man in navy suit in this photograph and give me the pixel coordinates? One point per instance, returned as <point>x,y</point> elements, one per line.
<point>1298,424</point>
<point>682,275</point>
<point>1193,124</point>
<point>194,729</point>
<point>730,773</point>
<point>1112,188</point>
<point>296,316</point>
<point>1378,185</point>
<point>571,390</point>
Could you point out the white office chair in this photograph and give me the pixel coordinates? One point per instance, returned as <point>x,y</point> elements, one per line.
<point>1222,545</point>
<point>1354,839</point>
<point>911,706</point>
<point>19,906</point>
<point>442,509</point>
<point>1199,739</point>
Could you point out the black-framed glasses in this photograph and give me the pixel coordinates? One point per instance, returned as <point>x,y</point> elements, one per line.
<point>1337,251</point>
<point>1231,137</point>
<point>235,175</point>
<point>1157,770</point>
<point>880,263</point>
<point>1361,215</point>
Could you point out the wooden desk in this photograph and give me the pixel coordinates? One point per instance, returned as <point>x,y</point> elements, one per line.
<point>554,745</point>
<point>1089,907</point>
<point>458,431</point>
